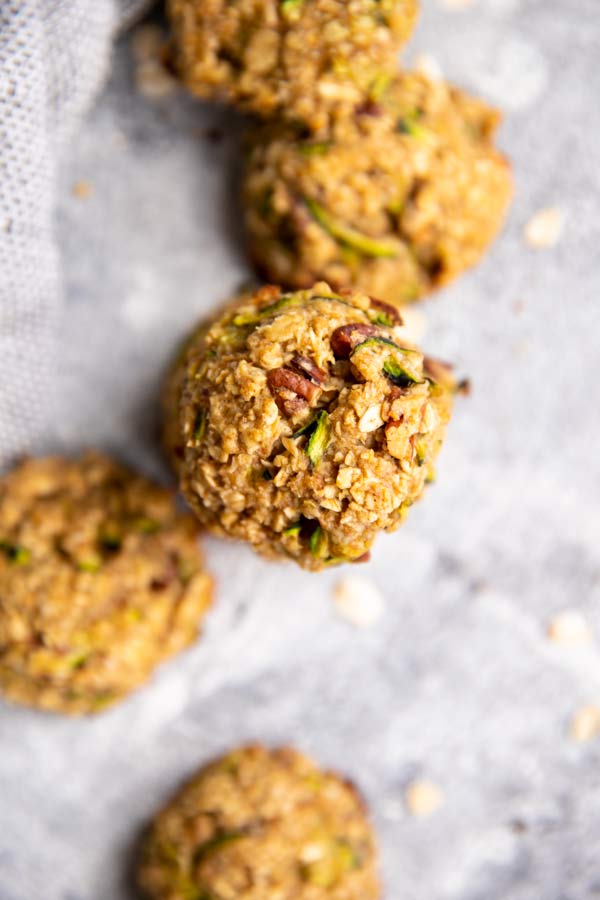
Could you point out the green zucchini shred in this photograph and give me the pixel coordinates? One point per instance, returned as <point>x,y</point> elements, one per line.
<point>346,235</point>
<point>399,374</point>
<point>293,529</point>
<point>15,553</point>
<point>256,316</point>
<point>215,844</point>
<point>200,425</point>
<point>409,124</point>
<point>319,439</point>
<point>146,525</point>
<point>319,543</point>
<point>88,565</point>
<point>316,148</point>
<point>291,8</point>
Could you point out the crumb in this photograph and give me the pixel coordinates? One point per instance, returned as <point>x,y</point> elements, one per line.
<point>427,65</point>
<point>544,228</point>
<point>82,190</point>
<point>569,628</point>
<point>359,601</point>
<point>585,724</point>
<point>147,43</point>
<point>423,797</point>
<point>370,420</point>
<point>457,4</point>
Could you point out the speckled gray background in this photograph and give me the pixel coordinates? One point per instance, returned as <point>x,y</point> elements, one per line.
<point>458,682</point>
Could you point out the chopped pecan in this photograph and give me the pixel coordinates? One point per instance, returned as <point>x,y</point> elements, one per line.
<point>387,310</point>
<point>365,558</point>
<point>307,367</point>
<point>299,216</point>
<point>291,392</point>
<point>369,107</point>
<point>437,369</point>
<point>392,406</point>
<point>159,584</point>
<point>345,338</point>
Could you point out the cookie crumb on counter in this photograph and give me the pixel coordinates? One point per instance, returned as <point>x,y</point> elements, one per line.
<point>457,4</point>
<point>585,724</point>
<point>423,797</point>
<point>544,228</point>
<point>359,601</point>
<point>82,190</point>
<point>569,627</point>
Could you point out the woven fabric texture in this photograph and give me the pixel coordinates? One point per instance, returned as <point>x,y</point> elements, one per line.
<point>53,59</point>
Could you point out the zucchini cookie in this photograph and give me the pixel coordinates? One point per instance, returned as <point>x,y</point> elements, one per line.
<point>300,59</point>
<point>260,824</point>
<point>101,579</point>
<point>397,200</point>
<point>172,439</point>
<point>306,428</point>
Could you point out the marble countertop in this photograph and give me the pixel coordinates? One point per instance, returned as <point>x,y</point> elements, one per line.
<point>458,682</point>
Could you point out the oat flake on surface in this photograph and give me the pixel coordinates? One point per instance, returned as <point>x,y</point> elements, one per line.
<point>359,601</point>
<point>544,228</point>
<point>423,797</point>
<point>585,724</point>
<point>569,628</point>
<point>457,4</point>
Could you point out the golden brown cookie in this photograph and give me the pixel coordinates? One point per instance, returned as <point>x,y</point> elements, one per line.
<point>396,200</point>
<point>262,825</point>
<point>306,428</point>
<point>101,579</point>
<point>301,59</point>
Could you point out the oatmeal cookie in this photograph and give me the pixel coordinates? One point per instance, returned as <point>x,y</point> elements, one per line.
<point>301,59</point>
<point>260,824</point>
<point>101,579</point>
<point>306,427</point>
<point>396,201</point>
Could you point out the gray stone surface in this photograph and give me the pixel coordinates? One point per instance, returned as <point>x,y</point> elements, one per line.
<point>458,682</point>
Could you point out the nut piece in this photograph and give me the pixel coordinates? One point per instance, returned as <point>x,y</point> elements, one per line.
<point>347,337</point>
<point>423,797</point>
<point>544,228</point>
<point>359,601</point>
<point>388,313</point>
<point>371,420</point>
<point>308,367</point>
<point>570,629</point>
<point>291,392</point>
<point>585,724</point>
